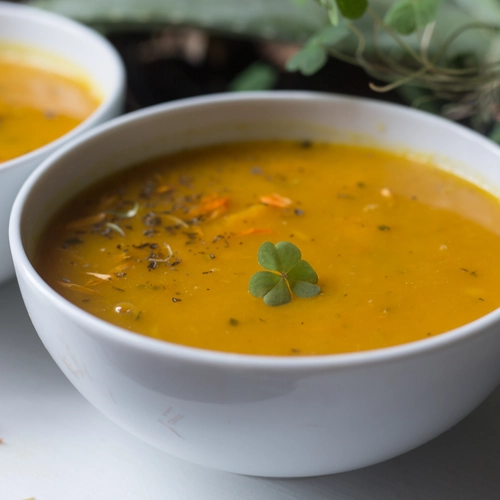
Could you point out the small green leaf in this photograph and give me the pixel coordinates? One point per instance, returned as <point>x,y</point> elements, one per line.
<point>406,16</point>
<point>257,76</point>
<point>313,54</point>
<point>426,11</point>
<point>308,60</point>
<point>304,289</point>
<point>352,9</point>
<point>268,257</point>
<point>330,36</point>
<point>279,295</point>
<point>289,255</point>
<point>262,282</point>
<point>401,18</point>
<point>304,272</point>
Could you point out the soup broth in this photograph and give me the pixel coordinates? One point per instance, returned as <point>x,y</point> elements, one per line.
<point>403,250</point>
<point>37,105</point>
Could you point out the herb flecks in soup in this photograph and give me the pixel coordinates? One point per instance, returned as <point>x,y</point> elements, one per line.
<point>402,249</point>
<point>37,105</point>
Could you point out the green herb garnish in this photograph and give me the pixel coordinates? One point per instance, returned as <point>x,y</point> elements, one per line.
<point>286,271</point>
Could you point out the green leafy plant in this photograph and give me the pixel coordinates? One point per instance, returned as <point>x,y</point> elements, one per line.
<point>441,54</point>
<point>286,273</point>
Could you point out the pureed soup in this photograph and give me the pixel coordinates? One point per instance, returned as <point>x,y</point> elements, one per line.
<point>40,100</point>
<point>403,250</point>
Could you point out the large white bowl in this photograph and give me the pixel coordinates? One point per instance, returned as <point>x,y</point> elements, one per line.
<point>269,416</point>
<point>78,45</point>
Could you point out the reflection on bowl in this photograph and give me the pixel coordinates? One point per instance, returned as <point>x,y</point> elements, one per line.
<point>269,416</point>
<point>65,47</point>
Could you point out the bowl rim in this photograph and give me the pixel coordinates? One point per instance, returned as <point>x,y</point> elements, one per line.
<point>34,14</point>
<point>165,349</point>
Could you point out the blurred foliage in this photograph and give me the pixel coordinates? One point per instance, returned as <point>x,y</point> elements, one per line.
<point>286,20</point>
<point>257,76</point>
<point>444,55</point>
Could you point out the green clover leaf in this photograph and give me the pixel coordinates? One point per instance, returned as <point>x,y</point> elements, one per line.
<point>285,271</point>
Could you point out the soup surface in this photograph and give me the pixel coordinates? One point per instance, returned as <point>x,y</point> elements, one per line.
<point>403,250</point>
<point>37,105</point>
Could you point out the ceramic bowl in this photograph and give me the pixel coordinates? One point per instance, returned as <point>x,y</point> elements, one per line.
<point>81,47</point>
<point>258,415</point>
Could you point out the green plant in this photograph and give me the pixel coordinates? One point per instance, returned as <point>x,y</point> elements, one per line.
<point>405,47</point>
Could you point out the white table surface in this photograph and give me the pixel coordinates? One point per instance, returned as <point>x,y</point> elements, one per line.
<point>56,446</point>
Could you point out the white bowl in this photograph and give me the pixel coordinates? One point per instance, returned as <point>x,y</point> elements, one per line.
<point>78,45</point>
<point>268,416</point>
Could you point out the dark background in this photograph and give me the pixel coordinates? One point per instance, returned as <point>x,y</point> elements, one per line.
<point>167,75</point>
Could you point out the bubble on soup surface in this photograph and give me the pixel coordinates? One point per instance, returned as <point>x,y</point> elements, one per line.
<point>125,308</point>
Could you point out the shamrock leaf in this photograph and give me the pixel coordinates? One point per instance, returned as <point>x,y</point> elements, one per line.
<point>302,279</point>
<point>289,254</point>
<point>285,271</point>
<point>268,257</point>
<point>262,283</point>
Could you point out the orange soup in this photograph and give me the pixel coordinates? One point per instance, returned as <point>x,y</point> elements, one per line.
<point>403,250</point>
<point>37,105</point>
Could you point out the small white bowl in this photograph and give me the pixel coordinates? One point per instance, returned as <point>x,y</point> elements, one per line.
<point>267,416</point>
<point>80,46</point>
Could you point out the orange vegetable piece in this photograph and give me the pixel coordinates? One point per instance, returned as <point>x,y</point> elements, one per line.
<point>275,200</point>
<point>210,205</point>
